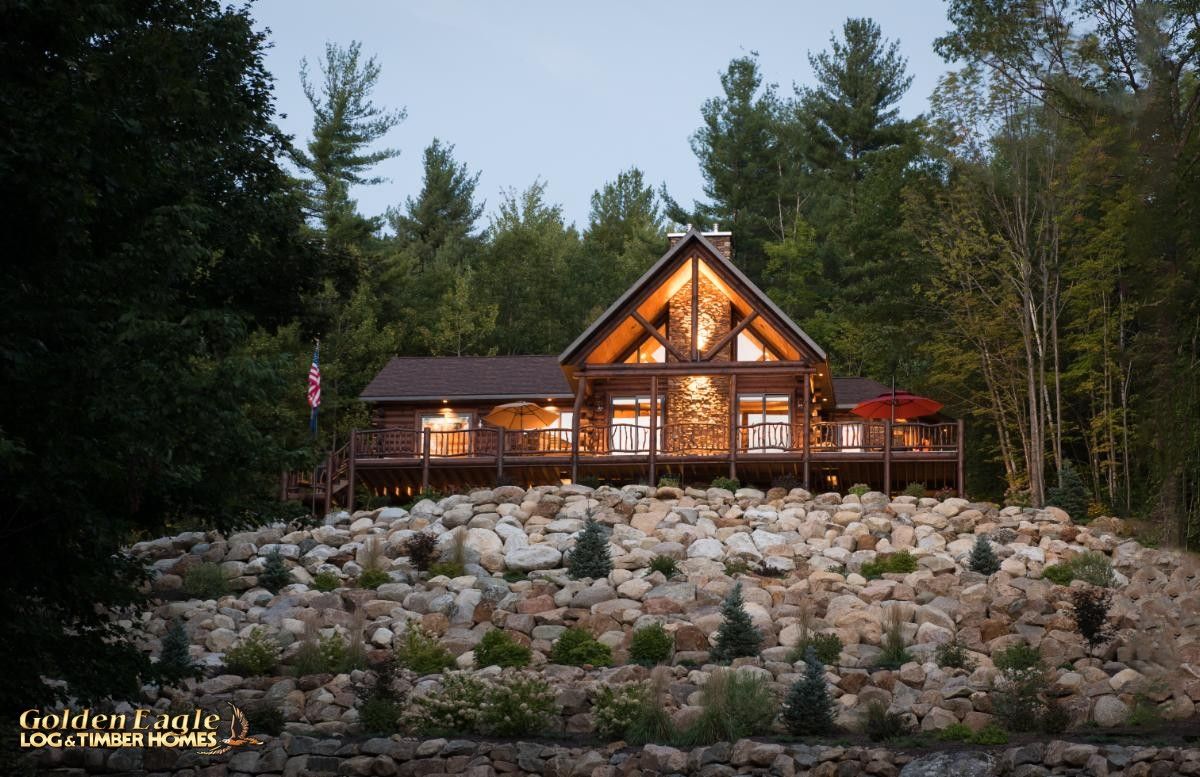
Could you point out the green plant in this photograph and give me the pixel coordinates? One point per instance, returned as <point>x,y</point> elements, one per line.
<point>590,556</point>
<point>373,578</point>
<point>736,636</point>
<point>515,575</point>
<point>991,734</point>
<point>614,708</point>
<point>729,484</point>
<point>858,489</point>
<point>516,705</point>
<point>737,566</point>
<point>1144,713</point>
<point>915,489</point>
<point>882,726</point>
<point>432,494</point>
<point>255,655</point>
<point>669,481</point>
<point>650,721</point>
<point>1095,568</point>
<point>326,581</point>
<point>373,574</point>
<point>455,709</point>
<point>827,647</point>
<point>446,569</point>
<point>421,549</point>
<point>734,705</point>
<point>983,559</point>
<point>1059,574</point>
<point>320,654</point>
<point>205,581</point>
<point>651,645</point>
<point>274,574</point>
<point>420,651</point>
<point>265,718</point>
<point>809,708</point>
<point>902,562</point>
<point>498,648</point>
<point>1071,494</point>
<point>1019,683</point>
<point>576,647</point>
<point>1089,609</point>
<point>895,653</point>
<point>953,655</point>
<point>665,565</point>
<point>956,732</point>
<point>1055,718</point>
<point>175,659</point>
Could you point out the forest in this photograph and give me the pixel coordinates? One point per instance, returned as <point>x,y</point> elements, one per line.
<point>1026,250</point>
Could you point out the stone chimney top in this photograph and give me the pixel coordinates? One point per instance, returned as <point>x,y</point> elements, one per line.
<point>722,241</point>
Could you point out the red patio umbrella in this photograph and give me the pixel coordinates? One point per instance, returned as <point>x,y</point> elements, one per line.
<point>896,404</point>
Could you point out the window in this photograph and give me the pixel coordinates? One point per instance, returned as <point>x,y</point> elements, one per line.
<point>752,349</point>
<point>651,351</point>
<point>450,432</point>
<point>629,427</point>
<point>764,421</point>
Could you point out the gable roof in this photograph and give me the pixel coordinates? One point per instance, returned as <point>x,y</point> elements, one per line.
<point>848,392</point>
<point>692,236</point>
<point>411,378</point>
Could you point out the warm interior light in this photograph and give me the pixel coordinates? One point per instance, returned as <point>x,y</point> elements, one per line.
<point>445,401</point>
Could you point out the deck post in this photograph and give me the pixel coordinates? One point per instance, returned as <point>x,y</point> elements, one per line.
<point>577,408</point>
<point>695,308</point>
<point>887,458</point>
<point>806,429</point>
<point>961,462</point>
<point>499,454</point>
<point>653,431</point>
<point>424,459</point>
<point>329,482</point>
<point>353,452</point>
<point>733,435</point>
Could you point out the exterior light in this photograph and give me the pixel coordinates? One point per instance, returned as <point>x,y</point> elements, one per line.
<point>445,401</point>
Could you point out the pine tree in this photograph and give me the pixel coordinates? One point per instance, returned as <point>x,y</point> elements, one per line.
<point>808,708</point>
<point>590,558</point>
<point>275,574</point>
<point>175,663</point>
<point>983,558</point>
<point>1070,494</point>
<point>737,637</point>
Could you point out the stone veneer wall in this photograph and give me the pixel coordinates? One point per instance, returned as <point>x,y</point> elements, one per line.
<point>698,399</point>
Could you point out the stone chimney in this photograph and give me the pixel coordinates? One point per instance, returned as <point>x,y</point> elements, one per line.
<point>722,241</point>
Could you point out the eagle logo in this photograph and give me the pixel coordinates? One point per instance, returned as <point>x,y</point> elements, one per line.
<point>239,734</point>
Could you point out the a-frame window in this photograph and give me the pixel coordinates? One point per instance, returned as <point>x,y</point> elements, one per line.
<point>649,351</point>
<point>751,349</point>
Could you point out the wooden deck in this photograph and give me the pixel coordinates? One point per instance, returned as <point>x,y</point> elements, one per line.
<point>826,454</point>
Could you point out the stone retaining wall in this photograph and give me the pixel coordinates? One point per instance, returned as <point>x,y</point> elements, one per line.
<point>298,756</point>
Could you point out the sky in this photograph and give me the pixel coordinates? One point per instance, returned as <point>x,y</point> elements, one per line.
<point>569,92</point>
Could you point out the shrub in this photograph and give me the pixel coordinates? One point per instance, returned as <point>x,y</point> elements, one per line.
<point>373,578</point>
<point>915,489</point>
<point>1055,718</point>
<point>498,648</point>
<point>326,581</point>
<point>379,705</point>
<point>735,705</point>
<point>991,734</point>
<point>902,562</point>
<point>455,551</point>
<point>265,718</point>
<point>275,574</point>
<point>895,654</point>
<point>880,725</point>
<point>737,636</point>
<point>615,707</point>
<point>1070,494</point>
<point>447,569</point>
<point>576,647</point>
<point>205,581</point>
<point>827,647</point>
<point>1060,574</point>
<point>737,566</point>
<point>515,575</point>
<point>1089,609</point>
<point>1144,713</point>
<point>517,705</point>
<point>421,549</point>
<point>983,559</point>
<point>420,651</point>
<point>858,489</point>
<point>953,655</point>
<point>651,645</point>
<point>255,655</point>
<point>665,565</point>
<point>320,654</point>
<point>455,709</point>
<point>175,661</point>
<point>1019,684</point>
<point>956,732</point>
<point>809,708</point>
<point>1095,568</point>
<point>669,481</point>
<point>651,722</point>
<point>729,484</point>
<point>590,557</point>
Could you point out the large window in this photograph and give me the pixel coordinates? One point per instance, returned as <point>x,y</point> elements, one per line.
<point>752,349</point>
<point>651,351</point>
<point>629,429</point>
<point>450,435</point>
<point>764,423</point>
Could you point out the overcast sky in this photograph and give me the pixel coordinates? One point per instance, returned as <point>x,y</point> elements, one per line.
<point>569,92</point>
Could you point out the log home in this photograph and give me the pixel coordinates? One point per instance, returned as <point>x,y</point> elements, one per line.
<point>692,372</point>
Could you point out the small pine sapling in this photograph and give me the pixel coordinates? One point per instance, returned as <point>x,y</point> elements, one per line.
<point>737,637</point>
<point>808,709</point>
<point>175,662</point>
<point>590,557</point>
<point>983,558</point>
<point>1089,608</point>
<point>274,574</point>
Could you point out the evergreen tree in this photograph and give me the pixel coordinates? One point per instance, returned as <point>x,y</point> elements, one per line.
<point>1070,494</point>
<point>275,574</point>
<point>983,558</point>
<point>737,637</point>
<point>808,709</point>
<point>462,325</point>
<point>175,662</point>
<point>590,556</point>
<point>438,226</point>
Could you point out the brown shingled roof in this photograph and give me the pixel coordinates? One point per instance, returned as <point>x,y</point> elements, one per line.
<point>478,377</point>
<point>850,391</point>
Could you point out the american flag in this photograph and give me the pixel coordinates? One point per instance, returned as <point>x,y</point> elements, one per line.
<point>314,387</point>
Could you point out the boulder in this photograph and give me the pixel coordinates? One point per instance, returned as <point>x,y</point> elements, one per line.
<point>533,557</point>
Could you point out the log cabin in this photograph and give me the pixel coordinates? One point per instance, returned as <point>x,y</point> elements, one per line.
<point>692,373</point>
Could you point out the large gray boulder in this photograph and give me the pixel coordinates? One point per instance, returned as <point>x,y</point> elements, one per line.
<point>951,765</point>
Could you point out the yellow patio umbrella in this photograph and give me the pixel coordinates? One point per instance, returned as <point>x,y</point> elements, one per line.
<point>521,415</point>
